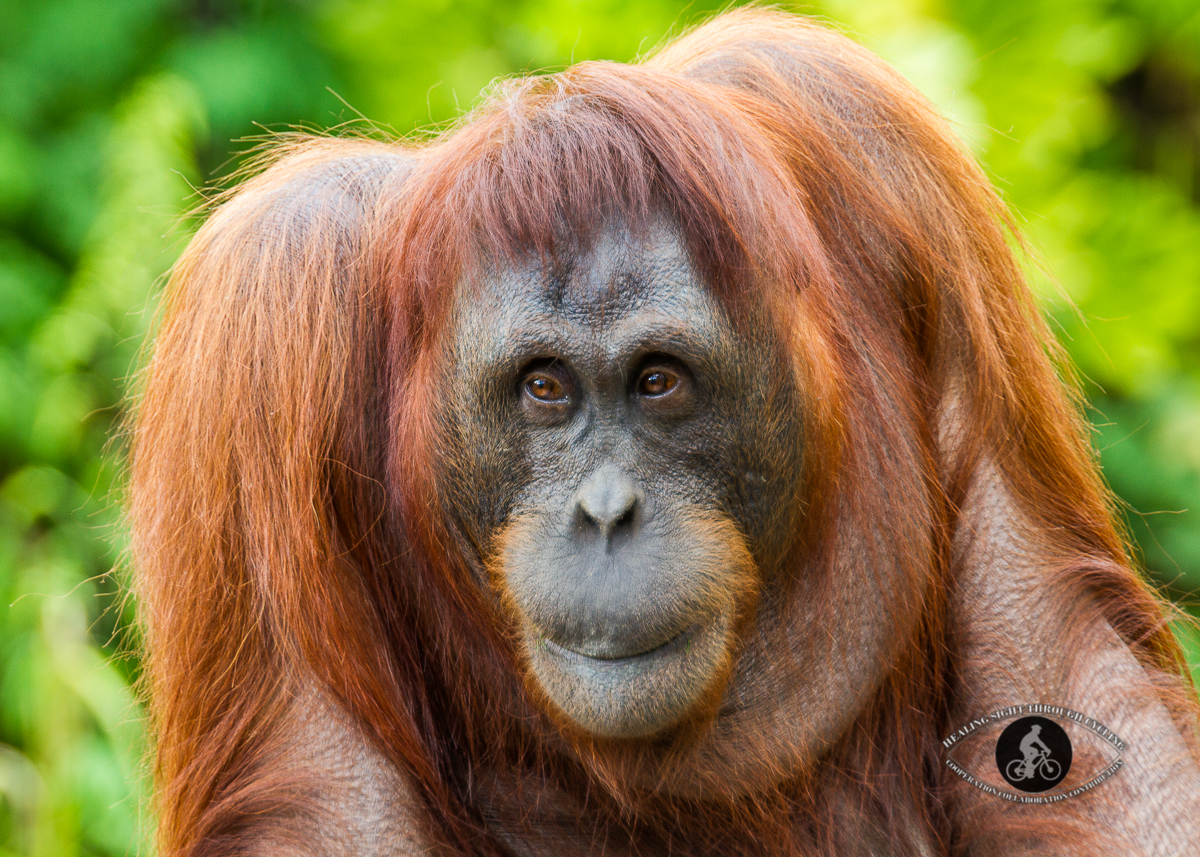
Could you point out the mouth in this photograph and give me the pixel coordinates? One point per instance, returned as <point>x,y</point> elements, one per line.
<point>630,691</point>
<point>618,654</point>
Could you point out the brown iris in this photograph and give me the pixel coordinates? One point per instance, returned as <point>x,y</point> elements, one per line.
<point>545,388</point>
<point>657,382</point>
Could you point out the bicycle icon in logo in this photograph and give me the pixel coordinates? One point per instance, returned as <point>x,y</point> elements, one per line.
<point>1037,761</point>
<point>1033,754</point>
<point>1043,766</point>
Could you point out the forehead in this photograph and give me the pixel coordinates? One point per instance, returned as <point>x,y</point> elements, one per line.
<point>624,287</point>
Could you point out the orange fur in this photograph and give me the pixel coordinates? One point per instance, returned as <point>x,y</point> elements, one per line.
<point>286,531</point>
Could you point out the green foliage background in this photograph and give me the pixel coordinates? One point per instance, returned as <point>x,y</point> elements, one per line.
<point>1085,112</point>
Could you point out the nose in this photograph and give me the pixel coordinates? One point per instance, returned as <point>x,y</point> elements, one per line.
<point>607,502</point>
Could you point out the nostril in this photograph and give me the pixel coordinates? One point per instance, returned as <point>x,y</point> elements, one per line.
<point>607,500</point>
<point>607,521</point>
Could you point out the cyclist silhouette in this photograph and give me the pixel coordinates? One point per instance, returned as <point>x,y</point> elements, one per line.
<point>1027,746</point>
<point>1037,756</point>
<point>1033,754</point>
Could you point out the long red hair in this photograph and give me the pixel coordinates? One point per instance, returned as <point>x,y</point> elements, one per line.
<point>287,530</point>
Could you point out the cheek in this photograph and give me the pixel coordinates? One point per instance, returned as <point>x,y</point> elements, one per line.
<point>766,493</point>
<point>746,457</point>
<point>484,463</point>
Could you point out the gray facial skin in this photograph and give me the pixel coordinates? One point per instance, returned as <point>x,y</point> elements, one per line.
<point>610,464</point>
